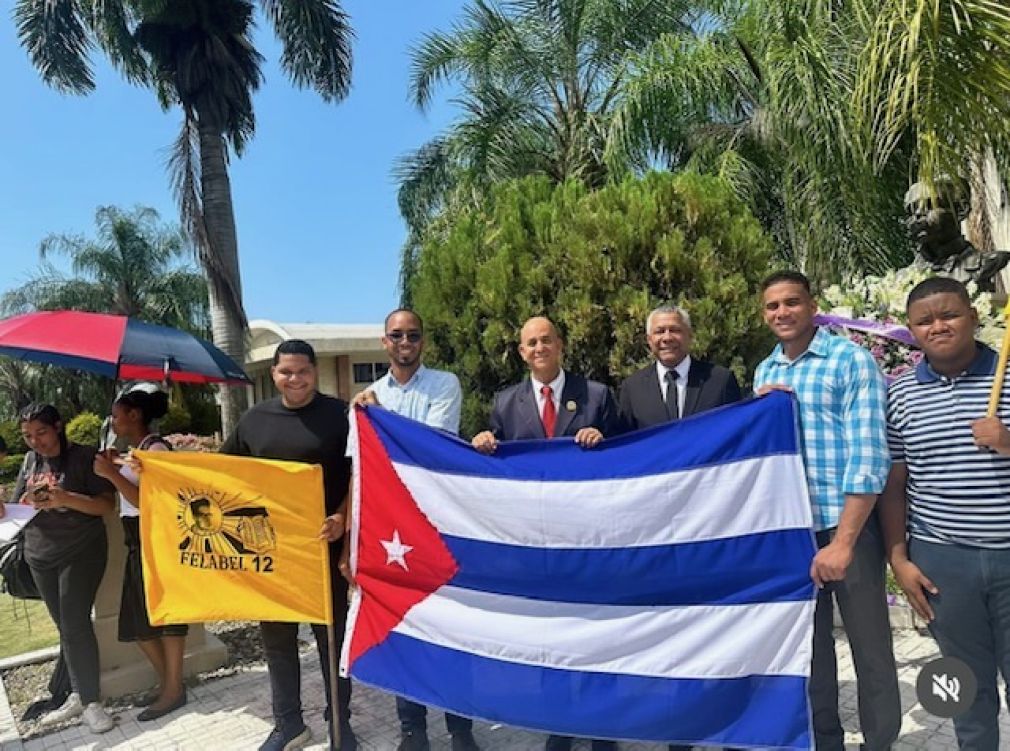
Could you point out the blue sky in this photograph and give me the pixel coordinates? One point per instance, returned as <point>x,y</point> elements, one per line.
<point>315,203</point>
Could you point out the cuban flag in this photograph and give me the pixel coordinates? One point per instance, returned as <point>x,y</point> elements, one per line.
<point>655,588</point>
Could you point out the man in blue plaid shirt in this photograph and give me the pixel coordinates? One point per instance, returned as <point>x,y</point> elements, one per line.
<point>842,400</point>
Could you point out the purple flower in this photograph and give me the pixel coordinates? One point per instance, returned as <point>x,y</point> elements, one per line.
<point>892,599</point>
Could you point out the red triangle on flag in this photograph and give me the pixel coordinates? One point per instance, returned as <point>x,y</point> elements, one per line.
<point>401,556</point>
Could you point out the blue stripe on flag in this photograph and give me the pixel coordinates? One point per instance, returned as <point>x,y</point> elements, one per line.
<point>764,567</point>
<point>748,711</point>
<point>759,427</point>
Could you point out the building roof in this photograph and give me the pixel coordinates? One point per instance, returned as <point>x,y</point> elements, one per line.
<point>325,338</point>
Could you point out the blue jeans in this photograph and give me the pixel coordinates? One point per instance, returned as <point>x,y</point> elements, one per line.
<point>971,623</point>
<point>414,718</point>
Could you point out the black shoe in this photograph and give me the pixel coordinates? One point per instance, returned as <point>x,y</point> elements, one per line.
<point>464,741</point>
<point>415,740</point>
<point>153,714</point>
<point>281,740</point>
<point>604,745</point>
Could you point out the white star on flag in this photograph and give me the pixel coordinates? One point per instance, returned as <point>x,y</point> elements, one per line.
<point>396,551</point>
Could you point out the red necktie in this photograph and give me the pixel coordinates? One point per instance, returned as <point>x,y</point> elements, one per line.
<point>550,413</point>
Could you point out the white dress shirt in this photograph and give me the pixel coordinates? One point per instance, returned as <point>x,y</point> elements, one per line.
<point>557,386</point>
<point>683,368</point>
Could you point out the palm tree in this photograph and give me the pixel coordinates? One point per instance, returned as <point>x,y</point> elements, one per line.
<point>135,266</point>
<point>199,56</point>
<point>539,82</point>
<point>820,111</point>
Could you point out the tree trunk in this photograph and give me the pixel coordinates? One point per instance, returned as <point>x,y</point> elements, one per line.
<point>220,263</point>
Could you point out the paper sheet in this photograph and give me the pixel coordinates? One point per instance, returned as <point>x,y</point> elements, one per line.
<point>15,516</point>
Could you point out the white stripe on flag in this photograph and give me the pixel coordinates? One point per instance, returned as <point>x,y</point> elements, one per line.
<point>698,641</point>
<point>715,502</point>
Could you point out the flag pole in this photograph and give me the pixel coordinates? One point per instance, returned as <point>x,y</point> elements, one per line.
<point>1000,374</point>
<point>334,701</point>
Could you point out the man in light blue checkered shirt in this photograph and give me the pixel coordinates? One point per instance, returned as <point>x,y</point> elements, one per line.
<point>842,401</point>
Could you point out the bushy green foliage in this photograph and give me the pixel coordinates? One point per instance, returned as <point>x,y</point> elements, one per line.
<point>596,263</point>
<point>176,420</point>
<point>84,429</point>
<point>10,466</point>
<point>205,416</point>
<point>10,431</point>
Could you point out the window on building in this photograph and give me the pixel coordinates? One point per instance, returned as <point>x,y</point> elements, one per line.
<point>367,372</point>
<point>363,372</point>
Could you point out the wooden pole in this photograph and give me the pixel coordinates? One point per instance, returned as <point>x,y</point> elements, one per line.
<point>1000,374</point>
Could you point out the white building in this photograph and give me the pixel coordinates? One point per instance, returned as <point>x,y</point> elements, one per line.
<point>349,355</point>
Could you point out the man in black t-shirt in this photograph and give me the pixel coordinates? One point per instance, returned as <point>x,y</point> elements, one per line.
<point>301,425</point>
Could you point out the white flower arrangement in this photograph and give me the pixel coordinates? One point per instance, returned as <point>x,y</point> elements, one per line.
<point>881,299</point>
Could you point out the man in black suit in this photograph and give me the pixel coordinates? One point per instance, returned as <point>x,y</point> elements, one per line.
<point>552,403</point>
<point>675,385</point>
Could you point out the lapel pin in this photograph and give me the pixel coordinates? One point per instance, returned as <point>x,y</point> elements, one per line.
<point>570,405</point>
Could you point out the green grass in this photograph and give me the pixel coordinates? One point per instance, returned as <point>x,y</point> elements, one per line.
<point>24,625</point>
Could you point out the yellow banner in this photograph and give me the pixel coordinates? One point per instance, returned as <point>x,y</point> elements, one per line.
<point>232,538</point>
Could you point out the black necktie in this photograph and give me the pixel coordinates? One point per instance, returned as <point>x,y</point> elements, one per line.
<point>672,402</point>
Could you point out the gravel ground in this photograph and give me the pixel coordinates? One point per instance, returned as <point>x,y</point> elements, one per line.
<point>28,683</point>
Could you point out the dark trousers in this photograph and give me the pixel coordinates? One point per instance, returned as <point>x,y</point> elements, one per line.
<point>972,623</point>
<point>414,718</point>
<point>69,593</point>
<point>862,601</point>
<point>280,645</point>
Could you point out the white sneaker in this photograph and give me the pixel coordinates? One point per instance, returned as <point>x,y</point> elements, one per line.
<point>71,708</point>
<point>97,719</point>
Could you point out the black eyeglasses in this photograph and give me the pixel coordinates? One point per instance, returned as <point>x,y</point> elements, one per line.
<point>412,336</point>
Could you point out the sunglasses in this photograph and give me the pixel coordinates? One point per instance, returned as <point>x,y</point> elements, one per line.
<point>412,336</point>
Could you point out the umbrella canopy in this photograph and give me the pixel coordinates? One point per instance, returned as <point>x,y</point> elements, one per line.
<point>117,347</point>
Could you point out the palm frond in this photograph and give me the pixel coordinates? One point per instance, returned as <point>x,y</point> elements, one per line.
<point>316,36</point>
<point>55,35</point>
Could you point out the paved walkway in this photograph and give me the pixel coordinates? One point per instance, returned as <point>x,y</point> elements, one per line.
<point>234,713</point>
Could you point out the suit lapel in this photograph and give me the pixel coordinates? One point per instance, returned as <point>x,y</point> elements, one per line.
<point>528,410</point>
<point>694,384</point>
<point>573,392</point>
<point>654,397</point>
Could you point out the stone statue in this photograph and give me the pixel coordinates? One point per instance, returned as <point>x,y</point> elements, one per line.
<point>934,224</point>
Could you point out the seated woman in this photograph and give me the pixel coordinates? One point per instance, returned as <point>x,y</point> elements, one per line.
<point>164,646</point>
<point>66,549</point>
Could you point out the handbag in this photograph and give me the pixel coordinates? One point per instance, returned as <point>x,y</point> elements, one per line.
<point>15,572</point>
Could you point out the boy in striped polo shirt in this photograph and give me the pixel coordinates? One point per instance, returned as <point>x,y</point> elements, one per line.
<point>951,472</point>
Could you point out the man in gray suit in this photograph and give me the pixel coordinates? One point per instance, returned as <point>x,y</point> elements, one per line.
<point>551,403</point>
<point>675,385</point>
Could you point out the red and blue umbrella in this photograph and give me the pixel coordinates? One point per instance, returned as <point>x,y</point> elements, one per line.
<point>117,347</point>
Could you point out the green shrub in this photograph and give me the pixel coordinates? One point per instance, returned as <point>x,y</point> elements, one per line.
<point>176,420</point>
<point>9,467</point>
<point>595,262</point>
<point>84,429</point>
<point>10,431</point>
<point>206,417</point>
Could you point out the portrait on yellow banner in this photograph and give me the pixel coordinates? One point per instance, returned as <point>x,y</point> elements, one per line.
<point>232,538</point>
